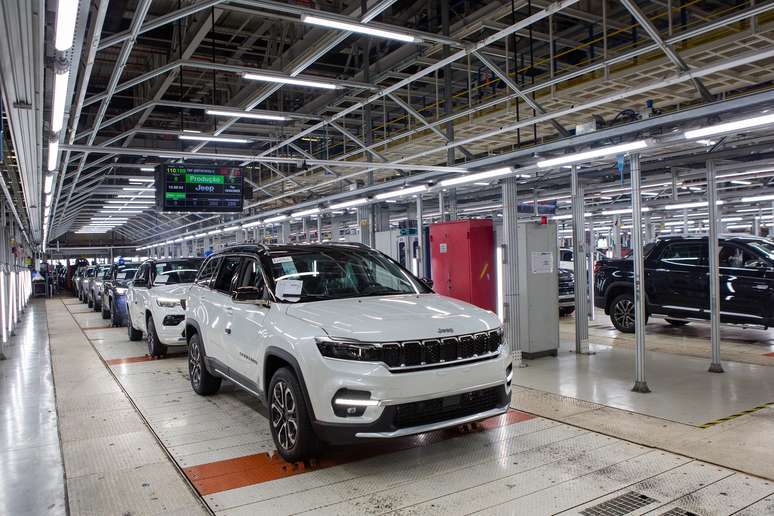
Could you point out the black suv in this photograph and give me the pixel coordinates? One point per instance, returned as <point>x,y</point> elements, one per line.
<point>676,282</point>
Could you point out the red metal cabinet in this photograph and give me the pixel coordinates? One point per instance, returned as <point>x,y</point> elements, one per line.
<point>462,261</point>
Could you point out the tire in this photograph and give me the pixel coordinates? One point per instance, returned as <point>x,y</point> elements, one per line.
<point>155,347</point>
<point>105,312</point>
<point>97,305</point>
<point>564,312</point>
<point>115,319</point>
<point>676,323</point>
<point>287,412</point>
<point>622,313</point>
<point>202,381</point>
<point>89,302</point>
<point>134,335</point>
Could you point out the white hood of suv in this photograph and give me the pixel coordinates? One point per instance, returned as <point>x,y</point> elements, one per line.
<point>392,318</point>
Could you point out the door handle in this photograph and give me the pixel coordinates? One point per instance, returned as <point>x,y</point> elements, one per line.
<point>228,331</point>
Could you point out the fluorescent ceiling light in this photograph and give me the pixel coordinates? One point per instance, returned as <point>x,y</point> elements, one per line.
<point>113,201</point>
<point>595,153</point>
<point>741,182</point>
<point>220,139</point>
<point>361,29</point>
<point>348,204</point>
<point>251,224</point>
<point>139,189</point>
<point>215,232</point>
<point>738,226</point>
<point>728,127</point>
<point>189,237</point>
<point>472,178</point>
<point>192,131</point>
<point>568,216</point>
<point>688,205</point>
<point>749,172</point>
<point>58,102</point>
<point>231,228</point>
<point>178,240</point>
<point>66,14</point>
<point>120,211</point>
<point>758,198</point>
<point>288,80</point>
<point>48,184</point>
<point>246,114</point>
<point>621,211</point>
<point>53,155</point>
<point>201,235</point>
<point>275,219</point>
<point>145,169</point>
<point>679,223</point>
<point>304,213</point>
<point>401,192</point>
<point>130,196</point>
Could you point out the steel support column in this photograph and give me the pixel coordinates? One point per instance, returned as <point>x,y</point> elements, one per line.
<point>421,268</point>
<point>579,265</point>
<point>510,267</point>
<point>363,224</point>
<point>714,270</point>
<point>640,385</point>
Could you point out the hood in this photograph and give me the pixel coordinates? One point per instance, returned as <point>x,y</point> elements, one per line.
<point>391,318</point>
<point>176,290</point>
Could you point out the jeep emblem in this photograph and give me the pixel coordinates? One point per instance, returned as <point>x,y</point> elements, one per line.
<point>445,330</point>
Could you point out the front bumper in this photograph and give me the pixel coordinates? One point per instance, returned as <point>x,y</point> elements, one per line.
<point>170,334</point>
<point>329,376</point>
<point>389,425</point>
<point>566,300</point>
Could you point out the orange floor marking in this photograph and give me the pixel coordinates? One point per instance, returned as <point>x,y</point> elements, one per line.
<point>263,467</point>
<point>143,358</point>
<point>768,354</point>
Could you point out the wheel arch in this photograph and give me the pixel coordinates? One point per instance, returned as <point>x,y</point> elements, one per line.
<point>276,358</point>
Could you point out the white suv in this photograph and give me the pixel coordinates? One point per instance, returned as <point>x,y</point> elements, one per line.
<point>342,344</point>
<point>154,302</point>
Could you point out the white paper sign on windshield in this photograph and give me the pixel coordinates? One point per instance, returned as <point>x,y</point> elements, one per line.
<point>121,275</point>
<point>289,290</point>
<point>161,279</point>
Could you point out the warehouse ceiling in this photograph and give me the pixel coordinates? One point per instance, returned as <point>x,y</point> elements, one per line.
<point>482,82</point>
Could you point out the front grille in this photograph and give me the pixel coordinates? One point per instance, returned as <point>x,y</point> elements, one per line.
<point>438,352</point>
<point>437,410</point>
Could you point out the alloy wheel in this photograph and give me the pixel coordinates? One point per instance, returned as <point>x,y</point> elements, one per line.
<point>623,313</point>
<point>195,363</point>
<point>284,416</point>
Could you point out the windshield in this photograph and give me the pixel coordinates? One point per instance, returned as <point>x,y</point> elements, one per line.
<point>339,273</point>
<point>125,273</point>
<point>175,277</point>
<point>764,246</point>
<point>192,264</point>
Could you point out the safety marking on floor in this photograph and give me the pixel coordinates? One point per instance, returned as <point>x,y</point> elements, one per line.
<point>229,474</point>
<point>734,416</point>
<point>143,358</point>
<point>769,354</point>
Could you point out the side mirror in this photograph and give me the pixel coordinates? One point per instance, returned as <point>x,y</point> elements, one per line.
<point>251,295</point>
<point>428,282</point>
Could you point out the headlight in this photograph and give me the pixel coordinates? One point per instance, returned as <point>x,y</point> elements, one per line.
<point>168,302</point>
<point>349,350</point>
<point>98,284</point>
<point>120,291</point>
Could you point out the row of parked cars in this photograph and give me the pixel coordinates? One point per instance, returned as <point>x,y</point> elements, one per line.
<point>340,342</point>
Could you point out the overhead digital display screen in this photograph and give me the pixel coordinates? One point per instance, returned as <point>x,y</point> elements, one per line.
<point>201,188</point>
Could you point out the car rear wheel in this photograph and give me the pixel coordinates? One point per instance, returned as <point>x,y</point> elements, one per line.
<point>105,312</point>
<point>97,303</point>
<point>133,334</point>
<point>622,313</point>
<point>202,381</point>
<point>115,317</point>
<point>291,428</point>
<point>155,347</point>
<point>675,322</point>
<point>89,302</point>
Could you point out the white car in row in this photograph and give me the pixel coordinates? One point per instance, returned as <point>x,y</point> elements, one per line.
<point>154,302</point>
<point>342,344</point>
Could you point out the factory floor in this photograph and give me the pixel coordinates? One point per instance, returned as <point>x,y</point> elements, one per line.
<point>135,439</point>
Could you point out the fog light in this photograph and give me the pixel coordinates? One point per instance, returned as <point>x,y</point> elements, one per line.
<point>348,403</point>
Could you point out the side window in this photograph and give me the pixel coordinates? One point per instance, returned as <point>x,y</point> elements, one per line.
<point>208,272</point>
<point>736,257</point>
<point>226,274</point>
<point>142,273</point>
<point>251,275</point>
<point>685,253</point>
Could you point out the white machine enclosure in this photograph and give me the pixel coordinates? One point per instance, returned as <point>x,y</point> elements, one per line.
<point>238,337</point>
